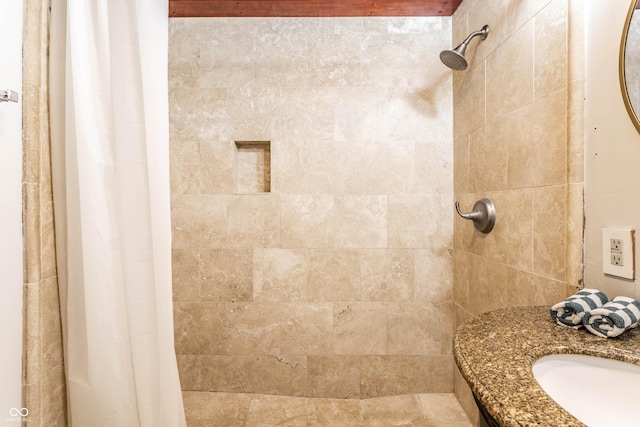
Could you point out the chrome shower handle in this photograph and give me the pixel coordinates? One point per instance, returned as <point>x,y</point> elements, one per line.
<point>483,215</point>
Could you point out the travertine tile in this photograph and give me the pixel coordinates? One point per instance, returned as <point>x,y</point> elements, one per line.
<point>360,114</point>
<point>334,412</point>
<point>418,221</point>
<point>185,264</point>
<point>433,167</point>
<point>575,132</point>
<point>227,373</point>
<point>306,328</point>
<point>361,221</point>
<point>511,241</point>
<point>33,318</point>
<point>54,398</point>
<point>488,157</point>
<point>33,401</point>
<point>226,275</point>
<point>281,374</point>
<point>538,143</point>
<point>510,71</point>
<point>350,130</point>
<point>51,327</point>
<point>360,328</point>
<point>32,229</point>
<point>334,275</point>
<point>308,221</point>
<point>237,409</point>
<point>462,164</point>
<point>465,399</point>
<point>469,106</point>
<point>202,114</point>
<point>375,168</point>
<point>189,367</point>
<point>198,327</point>
<point>549,228</point>
<point>417,328</point>
<point>277,411</point>
<point>527,288</point>
<point>219,409</point>
<point>462,274</point>
<point>281,59</point>
<point>393,49</point>
<point>253,221</point>
<point>254,113</point>
<point>251,328</point>
<point>217,167</point>
<point>333,376</point>
<point>280,275</point>
<point>383,412</point>
<point>307,113</point>
<point>330,69</point>
<point>48,267</point>
<point>198,221</point>
<point>433,275</point>
<point>388,275</point>
<point>185,167</point>
<point>520,12</point>
<point>440,409</point>
<point>550,49</point>
<point>487,286</point>
<point>307,168</point>
<point>480,13</point>
<point>392,375</point>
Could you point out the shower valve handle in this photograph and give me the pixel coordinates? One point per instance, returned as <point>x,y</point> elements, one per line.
<point>483,215</point>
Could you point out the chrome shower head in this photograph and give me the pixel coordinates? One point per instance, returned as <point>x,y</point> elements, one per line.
<point>454,58</point>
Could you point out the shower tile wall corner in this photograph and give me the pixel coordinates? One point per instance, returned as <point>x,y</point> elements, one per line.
<point>338,282</point>
<point>519,140</point>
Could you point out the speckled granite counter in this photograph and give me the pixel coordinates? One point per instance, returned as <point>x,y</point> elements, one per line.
<point>495,352</point>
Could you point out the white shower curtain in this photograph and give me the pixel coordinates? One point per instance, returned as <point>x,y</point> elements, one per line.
<point>110,165</point>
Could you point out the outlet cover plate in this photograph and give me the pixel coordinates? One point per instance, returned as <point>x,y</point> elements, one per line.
<point>618,244</point>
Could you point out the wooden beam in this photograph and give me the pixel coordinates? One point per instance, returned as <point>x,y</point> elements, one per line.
<point>310,8</point>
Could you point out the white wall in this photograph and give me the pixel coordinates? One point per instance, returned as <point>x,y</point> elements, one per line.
<point>612,152</point>
<point>11,215</point>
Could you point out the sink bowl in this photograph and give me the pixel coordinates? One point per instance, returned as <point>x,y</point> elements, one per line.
<point>595,390</point>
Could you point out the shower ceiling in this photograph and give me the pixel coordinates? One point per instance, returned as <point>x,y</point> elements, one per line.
<point>297,8</point>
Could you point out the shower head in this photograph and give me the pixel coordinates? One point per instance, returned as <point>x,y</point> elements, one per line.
<point>454,58</point>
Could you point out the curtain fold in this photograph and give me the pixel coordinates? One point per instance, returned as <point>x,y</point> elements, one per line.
<point>110,163</point>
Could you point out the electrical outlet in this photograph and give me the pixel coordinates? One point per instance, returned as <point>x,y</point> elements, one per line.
<point>618,257</point>
<point>616,244</point>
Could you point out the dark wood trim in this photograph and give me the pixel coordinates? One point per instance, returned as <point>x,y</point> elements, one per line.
<point>319,8</point>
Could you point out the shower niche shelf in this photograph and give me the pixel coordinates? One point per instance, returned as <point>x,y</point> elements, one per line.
<point>253,167</point>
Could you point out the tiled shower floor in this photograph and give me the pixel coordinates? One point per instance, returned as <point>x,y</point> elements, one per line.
<point>252,410</point>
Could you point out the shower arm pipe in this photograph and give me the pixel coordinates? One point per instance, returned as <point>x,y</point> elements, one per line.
<point>483,33</point>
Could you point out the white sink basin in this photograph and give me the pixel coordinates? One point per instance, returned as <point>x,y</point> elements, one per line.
<point>597,391</point>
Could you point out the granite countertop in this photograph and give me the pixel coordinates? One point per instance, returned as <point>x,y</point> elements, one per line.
<point>495,352</point>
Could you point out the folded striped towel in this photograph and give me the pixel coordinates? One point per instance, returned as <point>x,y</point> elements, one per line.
<point>613,318</point>
<point>569,312</point>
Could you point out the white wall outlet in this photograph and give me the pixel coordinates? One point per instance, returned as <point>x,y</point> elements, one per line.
<point>618,252</point>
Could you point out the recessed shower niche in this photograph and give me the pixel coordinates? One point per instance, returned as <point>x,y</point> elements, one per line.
<point>253,167</point>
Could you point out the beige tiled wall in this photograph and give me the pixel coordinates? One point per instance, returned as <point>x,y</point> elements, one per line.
<point>518,140</point>
<point>44,382</point>
<point>338,281</point>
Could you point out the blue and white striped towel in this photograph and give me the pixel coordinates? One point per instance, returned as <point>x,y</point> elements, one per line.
<point>569,312</point>
<point>613,318</point>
